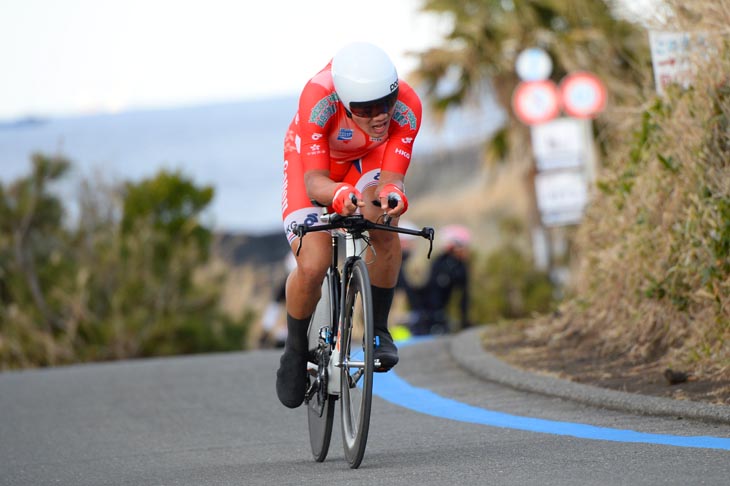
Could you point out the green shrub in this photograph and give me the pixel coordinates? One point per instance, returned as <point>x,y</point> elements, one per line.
<point>129,280</point>
<point>506,286</point>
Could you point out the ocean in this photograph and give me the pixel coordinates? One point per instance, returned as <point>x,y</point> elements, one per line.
<point>236,147</point>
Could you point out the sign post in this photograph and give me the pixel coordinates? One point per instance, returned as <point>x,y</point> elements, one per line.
<point>562,146</point>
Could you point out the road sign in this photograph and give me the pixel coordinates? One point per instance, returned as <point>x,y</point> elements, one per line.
<point>561,196</point>
<point>559,144</point>
<point>533,64</point>
<point>536,102</point>
<point>671,57</point>
<point>583,94</point>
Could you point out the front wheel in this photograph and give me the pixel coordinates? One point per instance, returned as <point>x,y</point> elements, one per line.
<point>357,363</point>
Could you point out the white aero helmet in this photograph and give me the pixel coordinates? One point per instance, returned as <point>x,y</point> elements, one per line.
<point>365,79</point>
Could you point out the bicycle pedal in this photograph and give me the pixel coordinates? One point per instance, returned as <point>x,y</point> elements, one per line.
<point>379,368</point>
<point>312,391</point>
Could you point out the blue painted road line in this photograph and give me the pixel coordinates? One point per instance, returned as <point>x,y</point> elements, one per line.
<point>394,389</point>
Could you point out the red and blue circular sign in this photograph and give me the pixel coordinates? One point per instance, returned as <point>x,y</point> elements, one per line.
<point>583,95</point>
<point>536,102</point>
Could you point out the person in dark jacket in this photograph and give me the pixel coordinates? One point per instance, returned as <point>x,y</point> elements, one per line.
<point>448,276</point>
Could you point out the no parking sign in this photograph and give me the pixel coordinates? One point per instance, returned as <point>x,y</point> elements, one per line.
<point>583,94</point>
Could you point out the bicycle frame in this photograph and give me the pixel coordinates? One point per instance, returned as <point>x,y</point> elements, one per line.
<point>344,295</point>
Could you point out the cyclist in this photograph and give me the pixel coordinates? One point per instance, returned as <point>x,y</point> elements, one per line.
<point>352,135</point>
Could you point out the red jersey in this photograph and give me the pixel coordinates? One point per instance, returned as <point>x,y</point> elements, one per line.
<point>326,138</point>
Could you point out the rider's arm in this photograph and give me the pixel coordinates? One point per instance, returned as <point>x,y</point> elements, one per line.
<point>397,155</point>
<point>321,188</point>
<point>405,124</point>
<point>388,181</point>
<point>314,118</point>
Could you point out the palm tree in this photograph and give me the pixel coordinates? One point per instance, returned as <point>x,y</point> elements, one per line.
<point>487,36</point>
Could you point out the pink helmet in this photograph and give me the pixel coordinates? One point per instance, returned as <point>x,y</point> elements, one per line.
<point>455,235</point>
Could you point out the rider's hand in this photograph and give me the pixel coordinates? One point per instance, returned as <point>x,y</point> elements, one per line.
<point>342,199</point>
<point>393,192</point>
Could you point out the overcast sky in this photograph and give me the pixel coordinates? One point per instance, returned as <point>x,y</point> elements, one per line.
<point>78,56</point>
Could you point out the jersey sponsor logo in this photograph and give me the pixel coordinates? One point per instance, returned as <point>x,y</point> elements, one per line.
<point>404,116</point>
<point>317,136</point>
<point>403,153</point>
<point>311,219</point>
<point>315,149</point>
<point>323,111</point>
<point>407,140</point>
<point>345,134</point>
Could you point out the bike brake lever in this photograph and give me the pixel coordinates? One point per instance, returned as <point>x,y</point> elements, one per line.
<point>300,234</point>
<point>392,203</point>
<point>429,233</point>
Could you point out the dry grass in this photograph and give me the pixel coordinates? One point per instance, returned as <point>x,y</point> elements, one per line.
<point>492,195</point>
<point>247,289</point>
<point>652,283</point>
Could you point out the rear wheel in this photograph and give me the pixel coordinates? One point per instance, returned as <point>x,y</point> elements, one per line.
<point>357,364</point>
<point>320,404</point>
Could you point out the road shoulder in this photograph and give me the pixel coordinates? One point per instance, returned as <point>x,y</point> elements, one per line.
<point>467,351</point>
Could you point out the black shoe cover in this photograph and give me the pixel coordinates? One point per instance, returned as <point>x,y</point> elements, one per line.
<point>291,379</point>
<point>385,351</point>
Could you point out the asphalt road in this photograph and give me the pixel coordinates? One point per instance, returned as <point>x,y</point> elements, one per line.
<point>215,420</point>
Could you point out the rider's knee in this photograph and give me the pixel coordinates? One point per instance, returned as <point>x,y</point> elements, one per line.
<point>385,240</point>
<point>312,267</point>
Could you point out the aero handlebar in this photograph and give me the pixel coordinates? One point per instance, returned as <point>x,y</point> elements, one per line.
<point>357,224</point>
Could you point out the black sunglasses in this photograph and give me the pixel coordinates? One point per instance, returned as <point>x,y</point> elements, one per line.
<point>371,109</point>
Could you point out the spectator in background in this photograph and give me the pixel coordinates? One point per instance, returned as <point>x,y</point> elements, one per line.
<point>448,276</point>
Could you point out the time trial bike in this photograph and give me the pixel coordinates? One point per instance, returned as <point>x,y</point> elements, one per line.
<point>341,336</point>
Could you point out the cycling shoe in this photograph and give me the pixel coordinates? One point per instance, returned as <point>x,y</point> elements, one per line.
<point>291,379</point>
<point>385,351</point>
